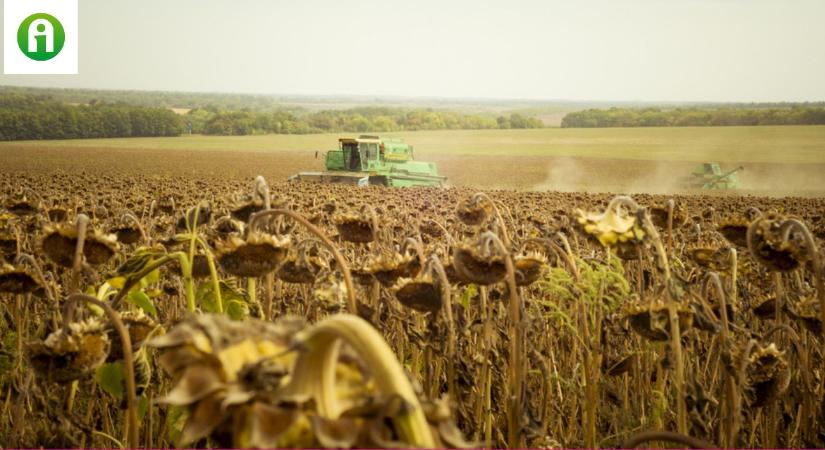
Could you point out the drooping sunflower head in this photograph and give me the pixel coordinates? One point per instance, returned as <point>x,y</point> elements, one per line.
<point>68,355</point>
<point>651,319</point>
<point>422,293</point>
<point>612,228</point>
<point>59,243</point>
<point>529,267</point>
<point>18,280</point>
<point>766,239</point>
<point>255,256</point>
<point>360,227</point>
<point>768,374</point>
<point>735,230</point>
<point>474,210</point>
<point>480,262</point>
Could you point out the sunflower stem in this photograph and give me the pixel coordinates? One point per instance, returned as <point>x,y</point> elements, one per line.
<point>213,274</point>
<point>342,264</point>
<point>81,225</point>
<point>314,372</point>
<point>131,424</point>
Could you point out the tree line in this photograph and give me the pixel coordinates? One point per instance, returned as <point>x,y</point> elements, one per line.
<point>693,117</point>
<point>210,120</point>
<point>34,117</point>
<point>37,116</point>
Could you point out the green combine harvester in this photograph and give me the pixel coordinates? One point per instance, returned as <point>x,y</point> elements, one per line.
<point>372,160</point>
<point>710,176</point>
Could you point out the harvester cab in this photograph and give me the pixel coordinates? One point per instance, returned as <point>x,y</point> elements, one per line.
<point>373,160</point>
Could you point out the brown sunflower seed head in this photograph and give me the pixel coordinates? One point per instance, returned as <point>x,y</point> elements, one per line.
<point>529,267</point>
<point>768,375</point>
<point>59,243</point>
<point>474,210</point>
<point>473,263</point>
<point>735,230</point>
<point>651,320</point>
<point>18,280</point>
<point>769,248</point>
<point>421,294</point>
<point>256,256</point>
<point>67,356</point>
<point>356,228</point>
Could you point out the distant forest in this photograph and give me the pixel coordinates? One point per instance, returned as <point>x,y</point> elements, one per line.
<point>31,114</point>
<point>25,117</point>
<point>379,119</point>
<point>694,117</point>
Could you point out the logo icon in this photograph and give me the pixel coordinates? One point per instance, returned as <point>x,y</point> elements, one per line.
<point>41,37</point>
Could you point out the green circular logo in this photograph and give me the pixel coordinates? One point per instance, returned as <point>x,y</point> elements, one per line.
<point>41,37</point>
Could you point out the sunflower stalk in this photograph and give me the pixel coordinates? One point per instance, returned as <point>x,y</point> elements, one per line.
<point>342,264</point>
<point>516,365</point>
<point>262,189</point>
<point>213,274</point>
<point>314,372</point>
<point>131,424</point>
<point>82,223</point>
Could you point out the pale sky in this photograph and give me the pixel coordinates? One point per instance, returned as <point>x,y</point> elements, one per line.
<point>648,50</point>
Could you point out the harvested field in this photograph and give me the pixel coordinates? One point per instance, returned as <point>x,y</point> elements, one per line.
<point>518,171</point>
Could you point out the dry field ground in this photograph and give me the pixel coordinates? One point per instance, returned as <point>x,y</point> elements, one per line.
<point>778,160</point>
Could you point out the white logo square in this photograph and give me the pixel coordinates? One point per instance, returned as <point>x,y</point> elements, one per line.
<point>40,37</point>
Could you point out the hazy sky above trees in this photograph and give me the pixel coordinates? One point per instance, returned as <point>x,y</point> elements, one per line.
<point>693,50</point>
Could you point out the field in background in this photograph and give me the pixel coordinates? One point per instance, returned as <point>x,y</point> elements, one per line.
<point>778,160</point>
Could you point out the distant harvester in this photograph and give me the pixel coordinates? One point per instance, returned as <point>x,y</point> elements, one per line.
<point>710,176</point>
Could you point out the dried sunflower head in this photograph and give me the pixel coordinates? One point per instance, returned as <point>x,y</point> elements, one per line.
<point>388,267</point>
<point>361,227</point>
<point>8,239</point>
<point>68,355</point>
<point>246,207</point>
<point>735,230</point>
<point>480,262</point>
<point>226,225</point>
<point>203,212</point>
<point>304,262</point>
<point>769,248</point>
<point>57,214</point>
<point>474,210</point>
<point>529,267</point>
<point>220,367</point>
<point>768,375</point>
<point>22,206</point>
<point>716,259</point>
<point>59,243</point>
<point>422,293</point>
<point>18,280</point>
<point>764,307</point>
<point>200,267</point>
<point>329,287</point>
<point>659,213</point>
<point>254,257</point>
<point>806,311</point>
<point>612,228</point>
<point>245,385</point>
<point>651,319</point>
